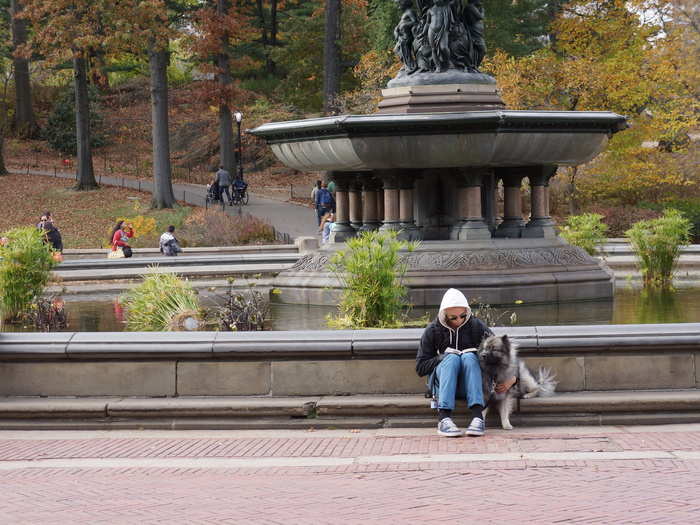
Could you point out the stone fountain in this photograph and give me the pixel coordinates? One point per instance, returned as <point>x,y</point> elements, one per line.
<point>431,164</point>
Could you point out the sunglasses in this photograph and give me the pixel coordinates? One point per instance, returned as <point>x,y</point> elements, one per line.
<point>455,317</point>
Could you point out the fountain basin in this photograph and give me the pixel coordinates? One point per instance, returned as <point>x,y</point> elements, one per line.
<point>496,138</point>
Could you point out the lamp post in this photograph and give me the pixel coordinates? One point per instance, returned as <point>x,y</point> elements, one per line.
<point>239,117</point>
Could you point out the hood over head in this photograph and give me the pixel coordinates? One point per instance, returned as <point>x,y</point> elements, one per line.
<point>453,297</point>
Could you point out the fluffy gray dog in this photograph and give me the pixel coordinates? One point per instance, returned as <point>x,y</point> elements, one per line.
<point>499,362</point>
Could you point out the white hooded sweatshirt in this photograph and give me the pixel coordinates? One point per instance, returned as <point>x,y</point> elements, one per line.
<point>451,299</point>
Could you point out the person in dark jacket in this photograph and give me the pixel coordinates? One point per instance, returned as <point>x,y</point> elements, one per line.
<point>53,236</point>
<point>448,354</point>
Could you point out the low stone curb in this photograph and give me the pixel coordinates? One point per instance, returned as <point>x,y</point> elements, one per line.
<point>589,408</point>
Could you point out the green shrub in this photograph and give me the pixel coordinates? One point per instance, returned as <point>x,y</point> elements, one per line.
<point>60,127</point>
<point>586,231</point>
<point>163,302</point>
<point>25,268</point>
<point>371,270</point>
<point>657,243</point>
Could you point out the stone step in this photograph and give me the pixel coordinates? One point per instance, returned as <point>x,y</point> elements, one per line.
<point>111,274</point>
<point>565,402</point>
<point>96,253</point>
<point>368,411</point>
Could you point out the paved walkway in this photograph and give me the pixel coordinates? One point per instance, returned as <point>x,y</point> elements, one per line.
<point>292,219</point>
<point>542,475</point>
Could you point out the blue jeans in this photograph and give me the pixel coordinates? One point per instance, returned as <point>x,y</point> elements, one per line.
<point>459,376</point>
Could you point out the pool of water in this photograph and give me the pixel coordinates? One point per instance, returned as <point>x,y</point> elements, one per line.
<point>629,306</point>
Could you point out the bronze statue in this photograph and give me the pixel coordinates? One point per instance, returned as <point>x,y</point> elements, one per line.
<point>474,21</point>
<point>438,35</point>
<point>403,33</point>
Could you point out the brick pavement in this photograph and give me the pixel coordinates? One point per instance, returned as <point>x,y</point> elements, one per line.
<point>384,477</point>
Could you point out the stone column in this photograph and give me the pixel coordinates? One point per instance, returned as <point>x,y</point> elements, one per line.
<point>541,224</point>
<point>409,230</point>
<point>380,201</point>
<point>471,225</point>
<point>342,229</point>
<point>370,215</point>
<point>355,203</point>
<point>391,221</point>
<point>513,223</point>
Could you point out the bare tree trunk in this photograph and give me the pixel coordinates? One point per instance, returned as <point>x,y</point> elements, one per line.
<point>331,57</point>
<point>3,169</point>
<point>225,122</point>
<point>25,123</point>
<point>163,196</point>
<point>574,207</point>
<point>86,175</point>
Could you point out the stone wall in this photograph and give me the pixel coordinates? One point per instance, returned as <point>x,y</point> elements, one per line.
<point>303,363</point>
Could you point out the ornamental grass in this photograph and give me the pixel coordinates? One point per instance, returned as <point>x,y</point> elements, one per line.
<point>162,303</point>
<point>371,271</point>
<point>25,269</point>
<point>657,245</point>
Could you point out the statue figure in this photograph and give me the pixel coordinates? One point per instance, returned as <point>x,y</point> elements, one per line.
<point>474,21</point>
<point>438,35</point>
<point>421,45</point>
<point>403,33</point>
<point>438,21</point>
<point>460,43</point>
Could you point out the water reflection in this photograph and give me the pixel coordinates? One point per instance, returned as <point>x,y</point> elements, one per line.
<point>629,306</point>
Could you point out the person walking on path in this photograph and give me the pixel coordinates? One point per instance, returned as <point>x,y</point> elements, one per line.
<point>314,191</point>
<point>120,238</point>
<point>324,202</point>
<point>448,355</point>
<point>168,243</point>
<point>223,177</point>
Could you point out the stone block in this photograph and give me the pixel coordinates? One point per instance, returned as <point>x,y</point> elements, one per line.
<point>104,378</point>
<point>619,372</point>
<point>306,244</point>
<point>222,378</point>
<point>50,344</point>
<point>569,371</point>
<point>391,376</point>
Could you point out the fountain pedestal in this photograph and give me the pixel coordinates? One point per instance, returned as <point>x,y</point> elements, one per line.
<point>434,177</point>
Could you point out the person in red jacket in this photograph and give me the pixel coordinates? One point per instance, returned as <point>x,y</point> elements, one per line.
<point>120,237</point>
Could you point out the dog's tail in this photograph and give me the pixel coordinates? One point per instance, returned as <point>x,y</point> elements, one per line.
<point>545,379</point>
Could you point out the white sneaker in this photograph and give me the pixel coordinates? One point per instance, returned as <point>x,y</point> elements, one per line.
<point>446,427</point>
<point>476,427</point>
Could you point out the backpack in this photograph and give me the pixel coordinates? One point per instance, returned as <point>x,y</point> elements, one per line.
<point>325,199</point>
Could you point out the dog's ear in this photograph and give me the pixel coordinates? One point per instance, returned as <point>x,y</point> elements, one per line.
<point>505,340</point>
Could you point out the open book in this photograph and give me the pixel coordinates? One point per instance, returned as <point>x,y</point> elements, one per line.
<point>460,352</point>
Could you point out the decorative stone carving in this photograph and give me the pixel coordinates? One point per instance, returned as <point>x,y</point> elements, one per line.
<point>476,260</point>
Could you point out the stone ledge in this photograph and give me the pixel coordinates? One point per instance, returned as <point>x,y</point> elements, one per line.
<point>533,341</point>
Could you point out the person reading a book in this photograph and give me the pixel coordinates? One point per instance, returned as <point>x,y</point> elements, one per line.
<point>448,355</point>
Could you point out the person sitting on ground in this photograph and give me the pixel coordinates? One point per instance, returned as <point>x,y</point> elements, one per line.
<point>168,243</point>
<point>223,177</point>
<point>327,222</point>
<point>52,236</point>
<point>45,217</point>
<point>448,355</point>
<point>121,233</point>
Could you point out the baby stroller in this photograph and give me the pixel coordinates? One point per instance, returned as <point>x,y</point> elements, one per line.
<point>213,194</point>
